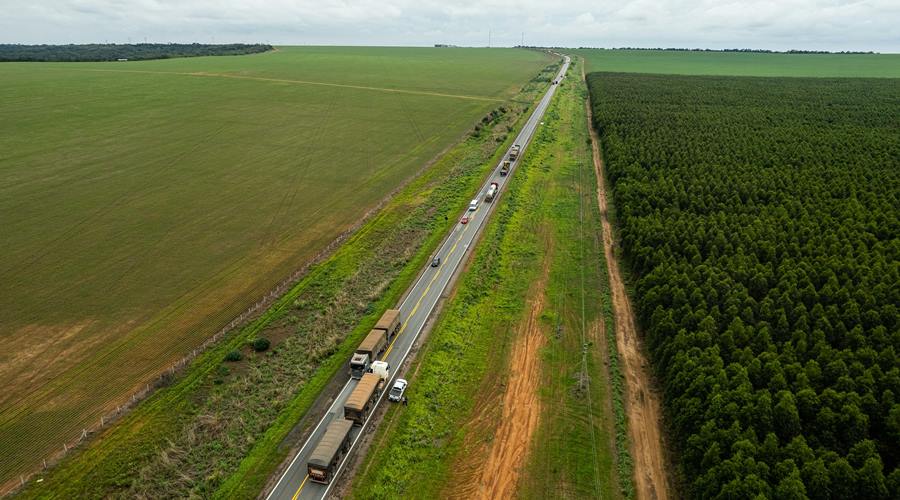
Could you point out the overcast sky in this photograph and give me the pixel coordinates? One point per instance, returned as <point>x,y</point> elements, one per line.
<point>770,24</point>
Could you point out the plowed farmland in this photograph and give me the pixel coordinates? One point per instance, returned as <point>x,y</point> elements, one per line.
<point>145,204</point>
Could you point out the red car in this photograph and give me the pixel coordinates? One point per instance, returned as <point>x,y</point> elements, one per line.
<point>464,220</point>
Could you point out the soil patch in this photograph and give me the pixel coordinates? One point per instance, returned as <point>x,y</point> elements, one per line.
<point>507,417</point>
<point>643,403</point>
<point>521,410</point>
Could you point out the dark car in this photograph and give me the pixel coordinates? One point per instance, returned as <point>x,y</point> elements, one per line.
<point>435,262</point>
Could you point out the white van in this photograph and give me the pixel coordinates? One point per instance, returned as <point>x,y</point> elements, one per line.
<point>473,205</point>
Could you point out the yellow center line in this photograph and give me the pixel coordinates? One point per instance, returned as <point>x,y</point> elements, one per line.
<point>424,293</point>
<point>301,487</point>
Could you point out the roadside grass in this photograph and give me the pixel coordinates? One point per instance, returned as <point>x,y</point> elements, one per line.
<point>740,63</point>
<point>573,451</point>
<point>625,462</point>
<point>220,429</point>
<point>418,447</point>
<point>413,461</point>
<point>146,204</point>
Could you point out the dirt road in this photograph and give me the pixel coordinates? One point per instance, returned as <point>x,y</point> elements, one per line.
<point>643,403</point>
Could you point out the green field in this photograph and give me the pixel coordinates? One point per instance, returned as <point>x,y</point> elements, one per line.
<point>169,438</point>
<point>525,276</point>
<point>741,64</point>
<point>145,204</point>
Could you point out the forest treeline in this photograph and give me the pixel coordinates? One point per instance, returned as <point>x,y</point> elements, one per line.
<point>760,219</point>
<point>114,51</point>
<point>753,51</point>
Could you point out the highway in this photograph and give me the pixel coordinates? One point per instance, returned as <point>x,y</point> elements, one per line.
<point>415,308</point>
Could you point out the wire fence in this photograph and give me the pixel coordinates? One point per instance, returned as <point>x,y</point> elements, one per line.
<point>166,375</point>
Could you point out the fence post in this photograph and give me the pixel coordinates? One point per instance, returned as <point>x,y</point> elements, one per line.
<point>65,448</point>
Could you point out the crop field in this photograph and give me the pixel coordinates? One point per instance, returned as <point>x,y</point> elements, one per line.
<point>759,218</point>
<point>742,64</point>
<point>504,400</point>
<point>145,204</point>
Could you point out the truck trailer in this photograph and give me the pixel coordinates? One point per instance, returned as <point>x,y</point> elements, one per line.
<point>514,152</point>
<point>389,322</point>
<point>492,192</point>
<point>371,347</point>
<point>375,343</point>
<point>324,461</point>
<point>504,169</point>
<point>362,400</point>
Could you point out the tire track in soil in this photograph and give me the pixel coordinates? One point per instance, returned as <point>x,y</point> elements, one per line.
<point>520,413</point>
<point>492,470</point>
<point>642,402</point>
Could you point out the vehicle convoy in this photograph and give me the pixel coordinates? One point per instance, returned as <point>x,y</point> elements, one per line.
<point>492,191</point>
<point>363,398</point>
<point>359,399</point>
<point>514,152</point>
<point>334,444</point>
<point>375,343</point>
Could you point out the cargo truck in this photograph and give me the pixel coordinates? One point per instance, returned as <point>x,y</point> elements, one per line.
<point>363,398</point>
<point>514,152</point>
<point>375,343</point>
<point>491,192</point>
<point>504,169</point>
<point>324,461</point>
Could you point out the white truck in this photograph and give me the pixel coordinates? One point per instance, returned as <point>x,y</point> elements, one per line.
<point>491,192</point>
<point>375,343</point>
<point>365,395</point>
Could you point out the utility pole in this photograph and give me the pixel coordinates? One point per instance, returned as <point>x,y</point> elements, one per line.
<point>523,39</point>
<point>489,38</point>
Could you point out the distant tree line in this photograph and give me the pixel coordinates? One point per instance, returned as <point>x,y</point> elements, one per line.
<point>114,51</point>
<point>760,219</point>
<point>755,51</point>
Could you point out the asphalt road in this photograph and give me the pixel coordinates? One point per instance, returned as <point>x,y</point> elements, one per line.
<point>414,311</point>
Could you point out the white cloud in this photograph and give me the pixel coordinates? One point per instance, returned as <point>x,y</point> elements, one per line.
<point>773,24</point>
